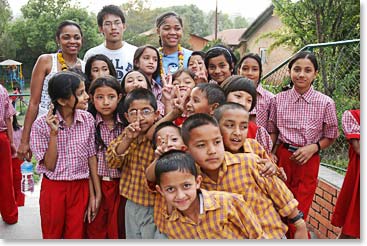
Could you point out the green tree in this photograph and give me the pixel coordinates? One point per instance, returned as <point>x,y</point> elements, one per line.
<point>5,16</point>
<point>240,22</point>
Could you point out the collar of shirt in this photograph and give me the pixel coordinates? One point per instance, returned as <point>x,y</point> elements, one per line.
<point>260,90</point>
<point>207,203</point>
<point>294,95</point>
<point>99,119</point>
<point>77,117</point>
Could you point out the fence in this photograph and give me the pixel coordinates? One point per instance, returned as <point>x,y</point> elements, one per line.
<point>339,78</point>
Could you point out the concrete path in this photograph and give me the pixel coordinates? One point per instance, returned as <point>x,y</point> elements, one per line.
<point>29,222</point>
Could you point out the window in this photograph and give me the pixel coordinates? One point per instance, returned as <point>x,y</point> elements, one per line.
<point>263,55</point>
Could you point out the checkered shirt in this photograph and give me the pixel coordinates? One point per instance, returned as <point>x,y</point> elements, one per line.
<point>6,108</point>
<point>302,119</point>
<point>133,182</point>
<point>75,145</point>
<point>107,136</point>
<point>225,216</point>
<point>261,109</point>
<point>263,137</point>
<point>351,127</point>
<point>269,197</point>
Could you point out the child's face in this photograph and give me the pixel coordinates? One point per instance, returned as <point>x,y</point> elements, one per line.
<point>82,96</point>
<point>206,147</point>
<point>147,114</point>
<point>195,62</point>
<point>184,82</point>
<point>241,97</point>
<point>180,190</point>
<point>172,137</point>
<point>105,100</point>
<point>170,32</point>
<point>98,69</point>
<point>233,127</point>
<point>219,69</point>
<point>135,80</point>
<point>250,69</point>
<point>302,74</point>
<point>148,61</point>
<point>198,102</point>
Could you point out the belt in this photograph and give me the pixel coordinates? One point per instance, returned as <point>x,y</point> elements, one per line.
<point>290,148</point>
<point>106,178</point>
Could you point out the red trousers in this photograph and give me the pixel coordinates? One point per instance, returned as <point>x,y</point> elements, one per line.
<point>17,179</point>
<point>105,225</point>
<point>301,180</point>
<point>62,208</point>
<point>8,205</point>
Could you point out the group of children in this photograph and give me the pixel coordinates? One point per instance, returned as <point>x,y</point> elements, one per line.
<point>199,153</point>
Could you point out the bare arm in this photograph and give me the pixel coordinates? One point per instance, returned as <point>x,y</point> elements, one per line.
<point>303,154</point>
<point>51,152</point>
<point>355,145</point>
<point>9,130</point>
<point>40,70</point>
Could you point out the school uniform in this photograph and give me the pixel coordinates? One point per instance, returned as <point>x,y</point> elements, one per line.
<point>301,120</point>
<point>8,205</point>
<point>64,192</point>
<point>259,133</point>
<point>139,220</point>
<point>269,198</point>
<point>17,175</point>
<point>223,215</point>
<point>105,225</point>
<point>347,209</point>
<point>261,110</point>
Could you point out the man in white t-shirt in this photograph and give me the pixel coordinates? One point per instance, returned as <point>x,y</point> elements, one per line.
<point>111,23</point>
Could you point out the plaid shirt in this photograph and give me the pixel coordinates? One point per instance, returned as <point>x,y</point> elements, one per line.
<point>351,127</point>
<point>263,137</point>
<point>133,182</point>
<point>302,119</point>
<point>223,215</point>
<point>107,136</point>
<point>261,109</point>
<point>6,108</point>
<point>75,145</point>
<point>253,146</point>
<point>269,197</point>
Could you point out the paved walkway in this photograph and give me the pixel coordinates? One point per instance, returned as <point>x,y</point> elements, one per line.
<point>29,222</point>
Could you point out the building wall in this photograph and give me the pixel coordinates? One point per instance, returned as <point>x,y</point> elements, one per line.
<point>278,55</point>
<point>197,43</point>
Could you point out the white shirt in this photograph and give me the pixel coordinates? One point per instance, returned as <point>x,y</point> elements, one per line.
<point>121,58</point>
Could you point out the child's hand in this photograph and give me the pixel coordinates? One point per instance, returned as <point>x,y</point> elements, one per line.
<point>274,157</point>
<point>201,75</point>
<point>133,130</point>
<point>167,87</point>
<point>52,120</point>
<point>303,154</point>
<point>180,100</point>
<point>281,174</point>
<point>90,214</point>
<point>269,169</point>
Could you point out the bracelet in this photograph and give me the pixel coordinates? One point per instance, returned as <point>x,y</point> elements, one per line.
<point>298,217</point>
<point>318,147</point>
<point>298,222</point>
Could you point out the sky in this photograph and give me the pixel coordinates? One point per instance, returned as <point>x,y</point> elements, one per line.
<point>249,9</point>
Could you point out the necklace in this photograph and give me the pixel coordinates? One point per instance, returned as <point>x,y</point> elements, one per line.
<point>61,60</point>
<point>180,59</point>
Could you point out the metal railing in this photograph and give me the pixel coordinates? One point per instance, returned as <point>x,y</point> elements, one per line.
<point>339,78</point>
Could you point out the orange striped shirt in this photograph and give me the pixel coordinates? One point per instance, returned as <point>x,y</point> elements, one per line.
<point>225,216</point>
<point>269,197</point>
<point>133,183</point>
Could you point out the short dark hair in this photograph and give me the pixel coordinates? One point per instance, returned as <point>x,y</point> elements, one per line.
<point>138,53</point>
<point>175,160</point>
<point>99,57</point>
<point>139,94</point>
<point>214,93</point>
<point>63,85</point>
<point>219,50</point>
<point>161,126</point>
<point>183,70</point>
<point>195,121</point>
<point>110,9</point>
<point>240,83</point>
<point>218,112</point>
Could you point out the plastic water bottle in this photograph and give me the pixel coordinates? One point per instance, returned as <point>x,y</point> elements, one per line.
<point>27,183</point>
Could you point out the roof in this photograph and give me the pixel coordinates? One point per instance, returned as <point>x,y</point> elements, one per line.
<point>258,22</point>
<point>9,63</point>
<point>229,36</point>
